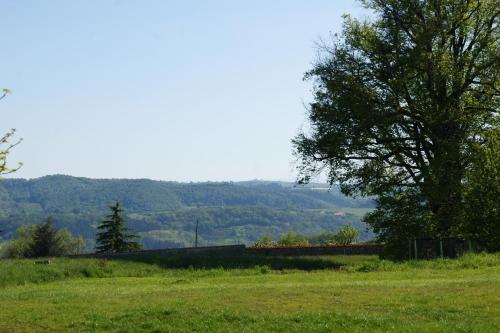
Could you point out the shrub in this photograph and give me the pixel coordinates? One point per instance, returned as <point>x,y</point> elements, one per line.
<point>346,235</point>
<point>325,238</point>
<point>42,240</point>
<point>292,239</point>
<point>264,242</point>
<point>265,269</point>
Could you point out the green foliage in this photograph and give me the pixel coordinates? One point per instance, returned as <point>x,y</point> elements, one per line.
<point>482,204</point>
<point>56,194</point>
<point>21,271</point>
<point>400,104</point>
<point>164,213</point>
<point>45,241</point>
<point>42,240</point>
<point>112,236</point>
<point>467,261</point>
<point>6,145</point>
<point>66,244</point>
<point>324,238</point>
<point>5,149</point>
<point>346,235</point>
<point>264,242</point>
<point>292,239</point>
<point>17,272</point>
<point>398,218</point>
<point>20,246</point>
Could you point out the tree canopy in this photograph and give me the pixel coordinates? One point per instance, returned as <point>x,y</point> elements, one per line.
<point>399,103</point>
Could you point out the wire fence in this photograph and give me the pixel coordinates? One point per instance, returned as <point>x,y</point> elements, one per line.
<point>432,248</point>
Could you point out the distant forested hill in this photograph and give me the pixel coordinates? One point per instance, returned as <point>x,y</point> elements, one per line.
<point>164,213</point>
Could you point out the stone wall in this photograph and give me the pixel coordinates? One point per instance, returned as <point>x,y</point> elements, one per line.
<point>366,249</point>
<point>226,250</point>
<point>240,250</point>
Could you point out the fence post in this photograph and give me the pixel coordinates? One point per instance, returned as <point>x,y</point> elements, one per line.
<point>196,233</point>
<point>441,248</point>
<point>415,247</point>
<point>470,245</point>
<point>409,249</point>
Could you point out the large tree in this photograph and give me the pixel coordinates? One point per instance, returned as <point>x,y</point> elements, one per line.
<point>400,101</point>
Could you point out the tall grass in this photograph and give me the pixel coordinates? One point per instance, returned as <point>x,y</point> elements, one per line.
<point>23,271</point>
<point>468,260</point>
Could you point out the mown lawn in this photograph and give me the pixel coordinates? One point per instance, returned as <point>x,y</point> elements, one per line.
<point>358,294</point>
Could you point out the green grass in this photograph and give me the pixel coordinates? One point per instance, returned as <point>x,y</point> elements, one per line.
<point>327,294</point>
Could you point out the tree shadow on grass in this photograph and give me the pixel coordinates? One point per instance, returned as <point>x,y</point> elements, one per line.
<point>231,262</point>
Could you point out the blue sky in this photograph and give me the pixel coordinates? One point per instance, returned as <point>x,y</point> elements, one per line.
<point>170,90</point>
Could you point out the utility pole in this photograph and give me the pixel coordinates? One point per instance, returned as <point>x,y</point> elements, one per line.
<point>196,234</point>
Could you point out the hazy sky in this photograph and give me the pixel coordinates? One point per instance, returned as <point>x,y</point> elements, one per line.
<point>171,90</point>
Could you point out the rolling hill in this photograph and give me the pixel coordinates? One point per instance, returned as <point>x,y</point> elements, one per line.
<point>164,213</point>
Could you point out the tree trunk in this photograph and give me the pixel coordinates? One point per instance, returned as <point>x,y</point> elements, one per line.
<point>444,190</point>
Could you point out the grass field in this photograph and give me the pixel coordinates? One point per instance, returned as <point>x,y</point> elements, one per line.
<point>328,294</point>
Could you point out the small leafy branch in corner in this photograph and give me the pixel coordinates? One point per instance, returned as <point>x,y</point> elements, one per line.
<point>6,146</point>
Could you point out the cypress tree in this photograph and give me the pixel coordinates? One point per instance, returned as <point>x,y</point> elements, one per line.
<point>113,236</point>
<point>45,240</point>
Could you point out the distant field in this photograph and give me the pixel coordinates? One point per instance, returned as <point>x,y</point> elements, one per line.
<point>360,212</point>
<point>348,294</point>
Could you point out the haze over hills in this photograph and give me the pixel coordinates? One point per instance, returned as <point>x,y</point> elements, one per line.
<point>164,213</point>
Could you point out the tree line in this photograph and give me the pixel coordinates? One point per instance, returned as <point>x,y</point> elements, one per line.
<point>344,236</point>
<point>44,240</point>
